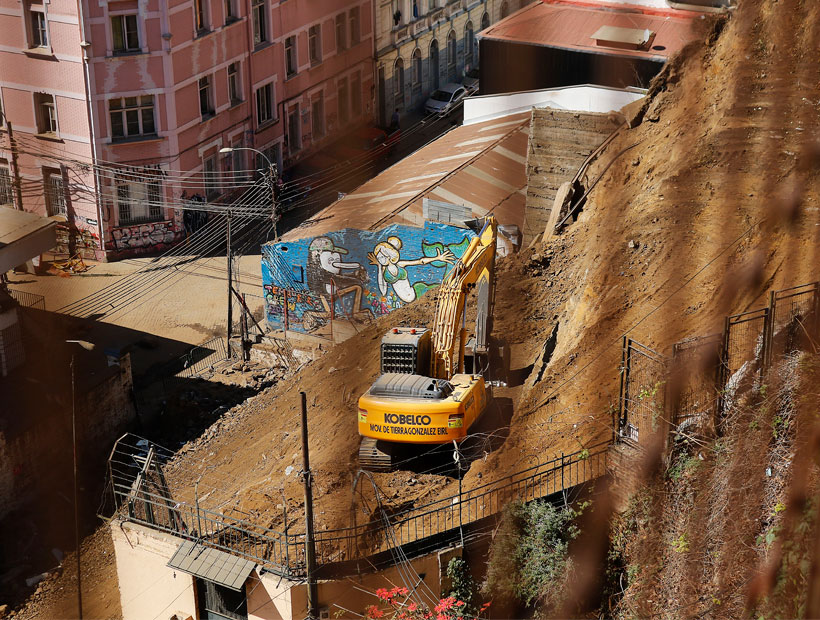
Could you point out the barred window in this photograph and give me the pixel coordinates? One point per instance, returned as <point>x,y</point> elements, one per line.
<point>138,201</point>
<point>132,116</point>
<point>55,195</point>
<point>6,188</point>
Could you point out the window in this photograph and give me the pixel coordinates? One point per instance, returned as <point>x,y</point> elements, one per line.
<point>417,68</point>
<point>200,16</point>
<point>415,9</point>
<point>342,94</point>
<point>206,104</point>
<point>398,83</point>
<point>355,28</point>
<point>234,83</point>
<point>138,199</point>
<point>356,94</point>
<point>125,34</point>
<point>294,135</point>
<point>505,9</point>
<point>230,11</point>
<point>318,116</point>
<point>452,57</point>
<point>485,21</point>
<point>264,104</point>
<point>315,44</point>
<point>46,113</point>
<point>290,56</point>
<point>238,161</point>
<point>469,42</point>
<point>216,601</point>
<point>341,39</point>
<point>6,188</point>
<point>260,22</point>
<point>55,195</point>
<point>132,116</point>
<point>39,31</point>
<point>210,177</point>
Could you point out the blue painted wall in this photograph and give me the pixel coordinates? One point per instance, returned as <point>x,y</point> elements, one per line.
<point>369,273</point>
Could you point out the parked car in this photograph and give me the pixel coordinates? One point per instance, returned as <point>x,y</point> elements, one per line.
<point>470,81</point>
<point>443,100</point>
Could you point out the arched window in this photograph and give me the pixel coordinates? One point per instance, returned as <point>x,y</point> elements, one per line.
<point>452,56</point>
<point>398,83</point>
<point>505,9</point>
<point>485,21</point>
<point>434,65</point>
<point>417,76</point>
<point>469,43</point>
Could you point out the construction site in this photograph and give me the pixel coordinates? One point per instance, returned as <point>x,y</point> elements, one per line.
<point>559,361</point>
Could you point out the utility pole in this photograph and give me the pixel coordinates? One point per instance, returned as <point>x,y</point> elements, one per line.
<point>230,287</point>
<point>18,191</point>
<point>310,545</point>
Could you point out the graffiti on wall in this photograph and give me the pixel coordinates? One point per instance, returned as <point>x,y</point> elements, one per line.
<point>361,274</point>
<point>140,236</point>
<point>83,241</point>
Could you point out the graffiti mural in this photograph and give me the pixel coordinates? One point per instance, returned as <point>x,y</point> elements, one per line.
<point>143,235</point>
<point>355,275</point>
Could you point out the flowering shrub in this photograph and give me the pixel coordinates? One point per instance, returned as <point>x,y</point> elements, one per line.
<point>449,608</point>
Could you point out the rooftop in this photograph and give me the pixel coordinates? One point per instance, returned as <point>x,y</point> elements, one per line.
<point>481,166</point>
<point>23,236</point>
<point>575,26</point>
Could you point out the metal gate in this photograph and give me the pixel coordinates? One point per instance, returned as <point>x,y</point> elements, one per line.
<point>643,377</point>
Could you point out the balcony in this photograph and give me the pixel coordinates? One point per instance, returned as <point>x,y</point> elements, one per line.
<point>436,15</point>
<point>418,26</point>
<point>400,34</point>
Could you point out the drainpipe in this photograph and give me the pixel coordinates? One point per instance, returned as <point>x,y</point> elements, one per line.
<point>85,45</point>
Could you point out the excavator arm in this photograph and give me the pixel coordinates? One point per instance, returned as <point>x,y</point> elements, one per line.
<point>475,267</point>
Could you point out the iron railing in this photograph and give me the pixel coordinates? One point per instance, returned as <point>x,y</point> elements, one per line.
<point>200,358</point>
<point>643,376</point>
<point>141,496</point>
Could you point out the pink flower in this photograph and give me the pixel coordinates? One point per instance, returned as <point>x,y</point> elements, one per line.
<point>383,594</point>
<point>412,607</point>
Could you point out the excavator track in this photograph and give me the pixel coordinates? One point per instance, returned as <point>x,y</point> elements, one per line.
<point>373,457</point>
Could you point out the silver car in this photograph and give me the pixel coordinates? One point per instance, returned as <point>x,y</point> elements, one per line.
<point>443,100</point>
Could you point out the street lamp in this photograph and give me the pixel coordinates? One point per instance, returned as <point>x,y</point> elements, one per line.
<point>88,346</point>
<point>272,178</point>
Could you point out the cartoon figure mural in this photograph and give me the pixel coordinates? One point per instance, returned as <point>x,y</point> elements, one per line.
<point>393,271</point>
<point>328,275</point>
<point>364,274</point>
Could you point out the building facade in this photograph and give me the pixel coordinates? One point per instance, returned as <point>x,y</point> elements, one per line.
<point>424,44</point>
<point>145,93</point>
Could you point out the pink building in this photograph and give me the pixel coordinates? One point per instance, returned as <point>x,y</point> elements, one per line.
<point>149,91</point>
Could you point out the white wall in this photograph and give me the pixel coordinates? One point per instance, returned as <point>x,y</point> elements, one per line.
<point>586,98</point>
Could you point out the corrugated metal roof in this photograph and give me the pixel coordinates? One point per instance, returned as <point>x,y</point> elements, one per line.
<point>211,564</point>
<point>481,166</point>
<point>571,25</point>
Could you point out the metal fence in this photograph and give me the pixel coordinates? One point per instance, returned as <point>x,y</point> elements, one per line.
<point>28,300</point>
<point>711,370</point>
<point>141,495</point>
<point>200,358</point>
<point>695,367</point>
<point>643,377</point>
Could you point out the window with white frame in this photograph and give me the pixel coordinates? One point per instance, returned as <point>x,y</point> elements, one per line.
<point>37,26</point>
<point>210,176</point>
<point>264,104</point>
<point>132,116</point>
<point>315,44</point>
<point>235,83</point>
<point>125,34</point>
<point>343,97</point>
<point>356,94</point>
<point>138,199</point>
<point>54,192</point>
<point>259,11</point>
<point>291,64</point>
<point>341,31</point>
<point>238,161</point>
<point>294,130</point>
<point>355,26</point>
<point>201,16</point>
<point>206,97</point>
<point>318,116</point>
<point>6,187</point>
<point>46,113</point>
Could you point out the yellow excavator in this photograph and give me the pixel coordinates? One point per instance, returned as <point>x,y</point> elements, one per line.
<point>434,385</point>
